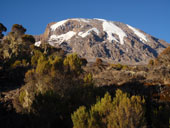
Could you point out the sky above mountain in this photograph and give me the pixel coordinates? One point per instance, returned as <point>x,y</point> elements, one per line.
<point>151,16</point>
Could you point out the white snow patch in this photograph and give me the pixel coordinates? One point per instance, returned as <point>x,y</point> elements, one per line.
<point>83,35</point>
<point>81,19</point>
<point>61,38</point>
<point>138,33</point>
<point>110,28</point>
<point>58,24</point>
<point>38,43</point>
<point>100,19</point>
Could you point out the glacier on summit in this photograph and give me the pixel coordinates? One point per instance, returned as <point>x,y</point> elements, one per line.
<point>109,40</point>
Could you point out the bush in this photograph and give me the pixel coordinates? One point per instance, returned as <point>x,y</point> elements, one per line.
<point>43,65</point>
<point>56,65</point>
<point>16,64</point>
<point>117,66</point>
<point>22,95</point>
<point>18,29</point>
<point>29,73</point>
<point>80,118</point>
<point>119,112</point>
<point>36,55</point>
<point>88,79</point>
<point>28,39</point>
<point>25,100</point>
<point>73,63</point>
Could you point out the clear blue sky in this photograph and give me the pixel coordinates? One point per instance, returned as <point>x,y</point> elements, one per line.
<point>151,16</point>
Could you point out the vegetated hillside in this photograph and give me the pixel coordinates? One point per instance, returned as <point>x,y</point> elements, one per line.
<point>98,38</point>
<point>45,87</point>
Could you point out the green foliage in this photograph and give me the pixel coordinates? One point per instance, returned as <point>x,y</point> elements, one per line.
<point>55,60</point>
<point>73,63</point>
<point>29,73</point>
<point>80,118</point>
<point>36,55</point>
<point>16,64</point>
<point>119,112</point>
<point>22,95</point>
<point>24,62</point>
<point>88,79</point>
<point>128,112</point>
<point>16,45</point>
<point>56,63</point>
<point>99,113</point>
<point>19,63</point>
<point>118,66</point>
<point>43,65</point>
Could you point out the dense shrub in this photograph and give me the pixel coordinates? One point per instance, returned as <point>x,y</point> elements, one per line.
<point>28,39</point>
<point>119,112</point>
<point>43,65</point>
<point>16,63</point>
<point>73,63</point>
<point>88,79</point>
<point>36,55</point>
<point>119,66</point>
<point>16,45</point>
<point>18,29</point>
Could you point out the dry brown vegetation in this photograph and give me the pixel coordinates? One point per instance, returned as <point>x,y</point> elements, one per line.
<point>44,87</point>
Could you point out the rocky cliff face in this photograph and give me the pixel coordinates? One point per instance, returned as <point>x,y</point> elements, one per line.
<point>112,41</point>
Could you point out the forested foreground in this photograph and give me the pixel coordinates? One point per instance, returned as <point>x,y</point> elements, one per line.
<point>46,87</point>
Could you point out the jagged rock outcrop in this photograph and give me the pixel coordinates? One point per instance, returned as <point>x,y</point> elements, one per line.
<point>112,41</point>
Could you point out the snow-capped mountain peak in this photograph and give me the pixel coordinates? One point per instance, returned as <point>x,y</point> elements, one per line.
<point>112,41</point>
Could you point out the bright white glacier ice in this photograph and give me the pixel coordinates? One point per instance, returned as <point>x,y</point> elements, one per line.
<point>110,28</point>
<point>81,20</point>
<point>61,38</point>
<point>37,43</point>
<point>138,33</point>
<point>58,24</point>
<point>99,19</point>
<point>83,35</point>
